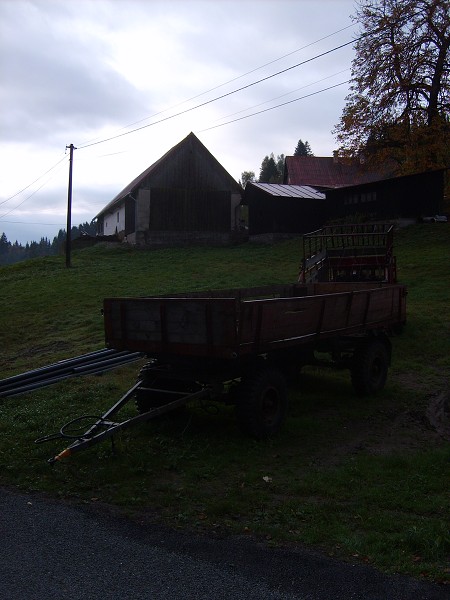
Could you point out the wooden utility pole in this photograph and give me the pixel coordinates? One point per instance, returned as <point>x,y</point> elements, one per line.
<point>69,208</point>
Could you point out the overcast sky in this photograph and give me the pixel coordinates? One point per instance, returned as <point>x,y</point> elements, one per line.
<point>82,71</point>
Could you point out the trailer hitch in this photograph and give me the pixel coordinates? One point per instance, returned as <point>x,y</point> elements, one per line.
<point>104,427</point>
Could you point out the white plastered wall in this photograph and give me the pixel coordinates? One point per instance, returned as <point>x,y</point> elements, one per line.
<point>114,221</point>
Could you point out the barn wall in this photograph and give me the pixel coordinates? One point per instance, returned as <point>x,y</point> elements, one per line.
<point>235,208</point>
<point>186,192</point>
<point>283,215</point>
<point>114,221</point>
<point>142,214</point>
<point>169,239</point>
<point>130,216</point>
<point>190,193</point>
<point>402,197</point>
<point>174,209</point>
<point>191,167</point>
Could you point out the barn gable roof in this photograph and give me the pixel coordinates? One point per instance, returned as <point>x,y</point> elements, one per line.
<point>191,141</point>
<point>329,172</point>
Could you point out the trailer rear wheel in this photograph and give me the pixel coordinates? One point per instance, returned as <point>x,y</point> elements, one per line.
<point>261,403</point>
<point>370,367</point>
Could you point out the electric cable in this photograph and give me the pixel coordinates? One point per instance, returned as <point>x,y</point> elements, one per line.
<point>33,223</point>
<point>230,80</point>
<point>81,147</point>
<point>32,193</point>
<point>277,106</point>
<point>33,182</point>
<point>204,104</point>
<point>283,95</point>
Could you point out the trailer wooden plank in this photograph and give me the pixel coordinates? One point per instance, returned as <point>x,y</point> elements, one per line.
<point>224,327</point>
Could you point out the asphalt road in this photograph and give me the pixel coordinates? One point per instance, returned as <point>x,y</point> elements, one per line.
<point>52,550</point>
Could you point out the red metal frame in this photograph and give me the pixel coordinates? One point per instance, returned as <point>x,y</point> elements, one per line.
<point>358,252</point>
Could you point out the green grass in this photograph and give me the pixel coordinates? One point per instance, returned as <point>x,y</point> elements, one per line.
<point>363,480</point>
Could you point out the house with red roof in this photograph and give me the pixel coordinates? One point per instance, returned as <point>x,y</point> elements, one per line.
<point>324,173</point>
<point>353,188</point>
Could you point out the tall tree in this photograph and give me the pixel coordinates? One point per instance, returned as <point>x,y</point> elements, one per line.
<point>247,176</point>
<point>399,100</point>
<point>269,171</point>
<point>280,167</point>
<point>303,149</point>
<point>4,244</point>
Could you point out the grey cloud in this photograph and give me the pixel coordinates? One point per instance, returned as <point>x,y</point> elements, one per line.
<point>49,86</point>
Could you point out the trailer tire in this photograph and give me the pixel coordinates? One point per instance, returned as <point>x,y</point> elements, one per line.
<point>370,366</point>
<point>261,403</point>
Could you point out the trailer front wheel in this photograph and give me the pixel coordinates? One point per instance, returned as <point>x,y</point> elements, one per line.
<point>261,403</point>
<point>370,366</point>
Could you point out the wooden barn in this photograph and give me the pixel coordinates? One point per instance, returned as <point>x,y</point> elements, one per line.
<point>408,197</point>
<point>277,210</point>
<point>352,188</point>
<point>184,197</point>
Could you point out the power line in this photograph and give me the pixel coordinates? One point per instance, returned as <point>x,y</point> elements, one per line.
<point>278,59</point>
<point>250,107</point>
<point>277,106</point>
<point>86,144</point>
<point>215,127</point>
<point>33,182</point>
<point>32,193</point>
<point>218,97</point>
<point>34,223</point>
<point>204,104</point>
<point>283,95</point>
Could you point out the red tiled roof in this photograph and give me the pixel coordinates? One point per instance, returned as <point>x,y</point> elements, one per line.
<point>327,172</point>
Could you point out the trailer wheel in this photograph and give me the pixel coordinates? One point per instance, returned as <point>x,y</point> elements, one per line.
<point>261,403</point>
<point>370,366</point>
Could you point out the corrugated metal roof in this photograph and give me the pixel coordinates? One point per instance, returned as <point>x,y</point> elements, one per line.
<point>289,191</point>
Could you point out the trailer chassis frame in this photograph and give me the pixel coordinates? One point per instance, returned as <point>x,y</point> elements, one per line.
<point>104,427</point>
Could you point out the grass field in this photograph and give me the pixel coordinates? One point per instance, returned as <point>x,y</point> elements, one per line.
<point>360,479</point>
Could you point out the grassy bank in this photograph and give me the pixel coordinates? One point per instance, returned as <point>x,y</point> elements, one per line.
<point>358,479</point>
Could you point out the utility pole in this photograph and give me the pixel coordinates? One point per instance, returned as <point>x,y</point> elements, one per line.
<point>69,208</point>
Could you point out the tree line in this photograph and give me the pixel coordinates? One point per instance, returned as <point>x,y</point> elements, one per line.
<point>272,169</point>
<point>11,253</point>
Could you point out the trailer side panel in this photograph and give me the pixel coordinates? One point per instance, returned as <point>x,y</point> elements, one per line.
<point>220,327</point>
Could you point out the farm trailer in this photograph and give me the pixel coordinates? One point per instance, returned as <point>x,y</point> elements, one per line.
<point>241,346</point>
<point>358,252</point>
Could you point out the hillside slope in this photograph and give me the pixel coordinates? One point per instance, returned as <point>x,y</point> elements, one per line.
<point>351,477</point>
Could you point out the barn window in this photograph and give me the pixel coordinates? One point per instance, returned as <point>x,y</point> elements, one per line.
<point>118,216</point>
<point>351,199</point>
